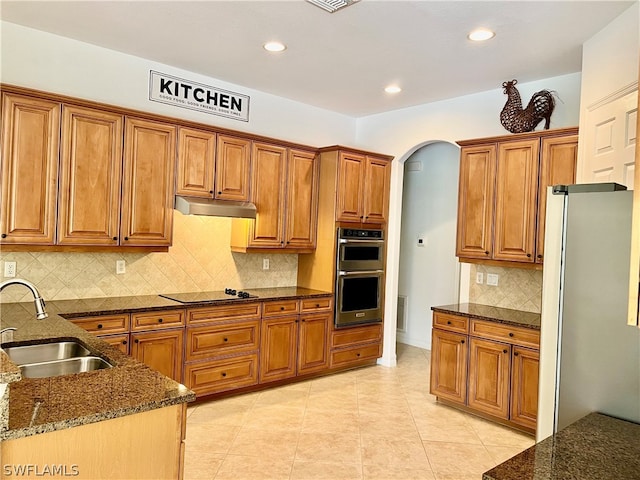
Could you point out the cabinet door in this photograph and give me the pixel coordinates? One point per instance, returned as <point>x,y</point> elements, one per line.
<point>90,177</point>
<point>278,348</point>
<point>516,194</point>
<point>350,187</point>
<point>476,201</point>
<point>161,350</point>
<point>121,342</point>
<point>268,194</point>
<point>196,162</point>
<point>30,141</point>
<point>489,368</point>
<point>557,167</point>
<point>449,353</point>
<point>302,200</point>
<point>313,344</point>
<point>524,386</point>
<point>148,183</point>
<point>232,168</point>
<point>376,190</point>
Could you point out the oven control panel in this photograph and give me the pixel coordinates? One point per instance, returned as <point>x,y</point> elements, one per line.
<point>360,233</point>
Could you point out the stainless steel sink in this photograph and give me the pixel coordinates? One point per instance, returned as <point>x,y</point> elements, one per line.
<point>45,352</point>
<point>63,367</point>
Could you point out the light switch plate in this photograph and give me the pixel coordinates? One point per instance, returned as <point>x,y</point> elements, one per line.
<point>120,267</point>
<point>265,264</point>
<point>492,279</point>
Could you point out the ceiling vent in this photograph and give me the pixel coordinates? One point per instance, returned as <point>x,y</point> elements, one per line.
<point>332,5</point>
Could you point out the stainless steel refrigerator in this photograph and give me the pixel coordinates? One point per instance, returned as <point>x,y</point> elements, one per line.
<point>589,356</point>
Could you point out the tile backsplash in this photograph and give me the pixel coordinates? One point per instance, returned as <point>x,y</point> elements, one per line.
<point>199,260</point>
<point>519,289</point>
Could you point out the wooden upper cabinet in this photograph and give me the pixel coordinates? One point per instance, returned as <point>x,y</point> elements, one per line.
<point>516,194</point>
<point>558,160</point>
<point>476,201</point>
<point>232,168</point>
<point>196,162</point>
<point>30,152</point>
<point>302,199</point>
<point>376,190</point>
<point>268,195</point>
<point>90,177</point>
<point>148,183</point>
<point>350,187</point>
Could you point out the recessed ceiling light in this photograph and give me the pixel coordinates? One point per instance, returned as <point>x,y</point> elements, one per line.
<point>274,46</point>
<point>481,34</point>
<point>393,89</point>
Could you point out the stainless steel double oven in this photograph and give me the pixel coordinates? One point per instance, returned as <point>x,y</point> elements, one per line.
<point>360,276</point>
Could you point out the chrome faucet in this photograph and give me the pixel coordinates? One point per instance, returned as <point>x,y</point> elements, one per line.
<point>41,314</point>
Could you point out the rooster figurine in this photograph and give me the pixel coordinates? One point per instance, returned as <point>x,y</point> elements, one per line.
<point>516,119</point>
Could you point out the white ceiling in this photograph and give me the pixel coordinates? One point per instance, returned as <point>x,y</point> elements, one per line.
<point>339,61</point>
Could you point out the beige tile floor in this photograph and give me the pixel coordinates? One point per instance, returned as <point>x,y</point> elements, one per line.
<point>371,423</point>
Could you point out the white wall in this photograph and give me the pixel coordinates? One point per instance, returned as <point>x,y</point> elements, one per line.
<point>428,275</point>
<point>40,60</point>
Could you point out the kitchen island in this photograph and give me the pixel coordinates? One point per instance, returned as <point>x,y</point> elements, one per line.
<point>595,447</point>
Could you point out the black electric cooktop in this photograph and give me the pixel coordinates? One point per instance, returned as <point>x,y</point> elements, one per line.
<point>204,297</point>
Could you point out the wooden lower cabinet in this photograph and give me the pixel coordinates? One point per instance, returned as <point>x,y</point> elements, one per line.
<point>489,368</point>
<point>278,348</point>
<point>524,386</point>
<point>160,350</point>
<point>449,354</point>
<point>355,346</point>
<point>142,445</point>
<point>313,343</point>
<point>121,342</point>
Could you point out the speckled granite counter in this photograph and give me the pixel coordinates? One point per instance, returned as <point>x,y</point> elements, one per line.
<point>71,400</point>
<point>493,314</point>
<point>596,447</point>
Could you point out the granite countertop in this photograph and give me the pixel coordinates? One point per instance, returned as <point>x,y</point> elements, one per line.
<point>38,405</point>
<point>595,447</point>
<point>507,316</point>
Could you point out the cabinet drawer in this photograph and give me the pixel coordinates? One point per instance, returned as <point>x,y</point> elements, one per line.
<point>355,355</point>
<point>316,304</point>
<point>104,325</point>
<point>213,341</point>
<point>275,309</point>
<point>157,319</point>
<point>452,323</point>
<point>505,333</point>
<point>353,336</point>
<point>223,312</point>
<point>221,375</point>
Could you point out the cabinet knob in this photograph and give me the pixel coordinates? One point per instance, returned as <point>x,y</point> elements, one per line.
<point>159,320</point>
<point>219,193</point>
<point>515,354</point>
<point>281,308</point>
<point>486,252</point>
<point>361,217</point>
<point>303,320</point>
<point>126,238</point>
<point>357,354</point>
<point>296,321</point>
<point>448,322</point>
<point>539,256</point>
<point>317,305</point>
<point>528,255</point>
<point>211,192</point>
<point>115,238</point>
<point>4,235</point>
<point>137,341</point>
<point>224,374</point>
<point>124,342</point>
<point>99,325</point>
<point>461,341</point>
<point>225,339</point>
<point>504,351</point>
<point>511,334</point>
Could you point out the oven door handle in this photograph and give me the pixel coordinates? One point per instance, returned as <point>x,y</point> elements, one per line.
<point>342,273</point>
<point>354,240</point>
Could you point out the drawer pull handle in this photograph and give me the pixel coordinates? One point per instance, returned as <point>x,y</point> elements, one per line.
<point>504,351</point>
<point>225,339</point>
<point>159,320</point>
<point>461,341</point>
<point>511,334</point>
<point>515,354</point>
<point>448,322</point>
<point>224,374</point>
<point>357,354</point>
<point>99,325</point>
<point>281,308</point>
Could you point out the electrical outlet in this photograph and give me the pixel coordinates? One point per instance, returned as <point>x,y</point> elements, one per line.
<point>10,269</point>
<point>120,267</point>
<point>265,264</point>
<point>422,241</point>
<point>492,279</point>
<point>479,278</point>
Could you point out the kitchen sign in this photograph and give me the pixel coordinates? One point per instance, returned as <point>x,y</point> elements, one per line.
<point>183,93</point>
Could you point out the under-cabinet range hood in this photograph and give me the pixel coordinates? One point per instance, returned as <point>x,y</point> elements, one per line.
<point>214,208</point>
